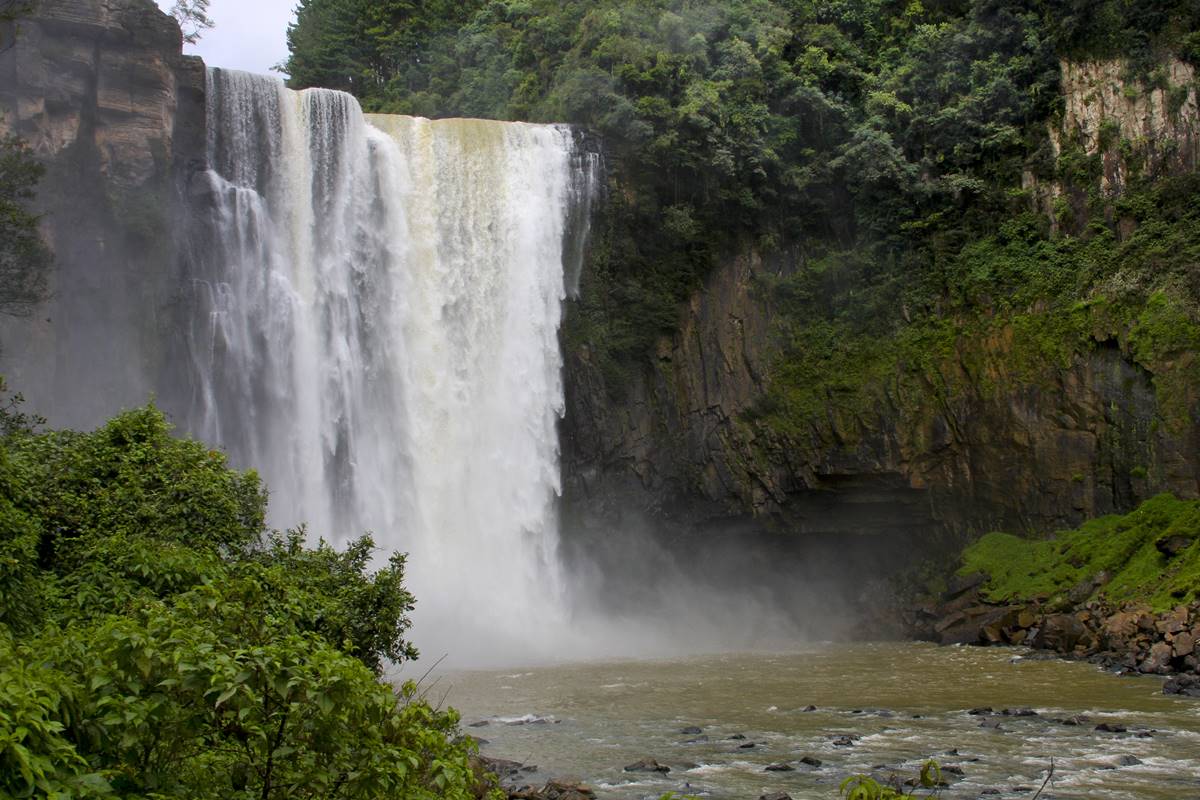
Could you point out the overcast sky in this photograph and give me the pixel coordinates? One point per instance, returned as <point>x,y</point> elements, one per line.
<point>249,34</point>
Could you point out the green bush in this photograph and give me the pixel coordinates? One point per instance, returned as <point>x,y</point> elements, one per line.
<point>156,641</point>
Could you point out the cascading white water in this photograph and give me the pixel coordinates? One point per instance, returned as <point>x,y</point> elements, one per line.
<point>377,307</point>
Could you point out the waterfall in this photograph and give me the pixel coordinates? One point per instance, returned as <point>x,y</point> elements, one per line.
<point>375,304</point>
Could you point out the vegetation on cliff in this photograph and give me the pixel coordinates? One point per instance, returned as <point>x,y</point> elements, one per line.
<point>1150,556</point>
<point>157,642</point>
<point>882,149</point>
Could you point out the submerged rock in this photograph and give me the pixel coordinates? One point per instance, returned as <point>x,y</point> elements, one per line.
<point>775,796</point>
<point>1186,685</point>
<point>780,767</point>
<point>810,761</point>
<point>500,767</point>
<point>1019,712</point>
<point>690,729</point>
<point>647,765</point>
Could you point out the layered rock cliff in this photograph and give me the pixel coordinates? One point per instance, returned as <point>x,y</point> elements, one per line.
<point>102,95</point>
<point>981,440</point>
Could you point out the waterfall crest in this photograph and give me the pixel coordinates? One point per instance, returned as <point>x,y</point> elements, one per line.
<point>376,310</point>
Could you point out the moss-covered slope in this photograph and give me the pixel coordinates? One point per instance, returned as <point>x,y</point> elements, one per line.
<point>1150,555</point>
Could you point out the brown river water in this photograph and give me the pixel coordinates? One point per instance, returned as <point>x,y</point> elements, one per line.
<point>907,702</point>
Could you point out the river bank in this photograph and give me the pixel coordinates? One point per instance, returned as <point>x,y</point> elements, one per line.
<point>1130,638</point>
<point>1119,591</point>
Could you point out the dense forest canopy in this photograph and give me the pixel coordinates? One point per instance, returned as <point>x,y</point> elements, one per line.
<point>872,140</point>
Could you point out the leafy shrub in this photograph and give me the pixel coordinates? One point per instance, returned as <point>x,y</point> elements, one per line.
<point>156,641</point>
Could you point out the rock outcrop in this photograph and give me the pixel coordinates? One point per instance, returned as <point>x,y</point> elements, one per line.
<point>1158,119</point>
<point>103,96</point>
<point>1136,127</point>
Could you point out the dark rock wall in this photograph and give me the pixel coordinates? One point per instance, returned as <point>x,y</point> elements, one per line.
<point>996,452</point>
<point>101,93</point>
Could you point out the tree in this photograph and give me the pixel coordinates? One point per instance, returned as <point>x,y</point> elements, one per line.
<point>193,19</point>
<point>24,257</point>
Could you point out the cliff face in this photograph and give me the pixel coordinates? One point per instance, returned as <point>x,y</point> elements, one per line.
<point>1135,128</point>
<point>999,452</point>
<point>981,445</point>
<point>101,93</point>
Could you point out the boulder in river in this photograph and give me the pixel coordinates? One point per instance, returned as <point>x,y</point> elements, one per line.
<point>1186,685</point>
<point>775,796</point>
<point>780,767</point>
<point>690,729</point>
<point>647,765</point>
<point>810,761</point>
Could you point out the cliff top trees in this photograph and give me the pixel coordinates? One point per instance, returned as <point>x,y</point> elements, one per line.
<point>193,19</point>
<point>362,46</point>
<point>878,138</point>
